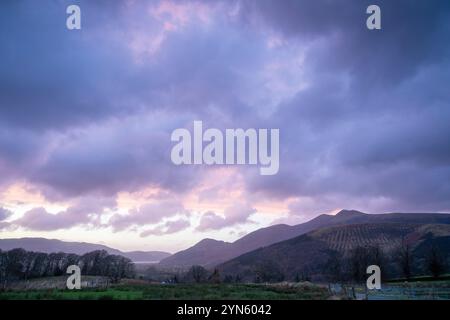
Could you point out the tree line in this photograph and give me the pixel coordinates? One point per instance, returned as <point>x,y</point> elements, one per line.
<point>401,263</point>
<point>19,264</point>
<point>351,266</point>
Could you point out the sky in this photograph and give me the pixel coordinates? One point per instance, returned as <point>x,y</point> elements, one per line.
<point>86,115</point>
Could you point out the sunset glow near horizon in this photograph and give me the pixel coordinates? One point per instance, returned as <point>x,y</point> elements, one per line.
<point>86,116</point>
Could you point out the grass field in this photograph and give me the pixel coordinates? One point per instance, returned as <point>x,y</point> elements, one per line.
<point>53,288</point>
<point>176,291</point>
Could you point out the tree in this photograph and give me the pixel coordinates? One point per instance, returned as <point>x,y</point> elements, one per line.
<point>197,273</point>
<point>228,279</point>
<point>333,267</point>
<point>16,266</point>
<point>215,277</point>
<point>435,262</point>
<point>95,263</point>
<point>268,271</point>
<point>40,266</point>
<point>405,259</point>
<point>359,260</point>
<point>3,269</point>
<point>378,258</point>
<point>305,275</point>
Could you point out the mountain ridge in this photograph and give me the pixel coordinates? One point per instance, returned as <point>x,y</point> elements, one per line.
<point>208,256</point>
<point>310,252</point>
<point>54,245</point>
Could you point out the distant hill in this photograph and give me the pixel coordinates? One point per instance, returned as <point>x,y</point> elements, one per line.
<point>52,245</point>
<point>309,253</point>
<point>215,252</point>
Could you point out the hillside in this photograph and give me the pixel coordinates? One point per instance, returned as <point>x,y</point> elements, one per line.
<point>207,252</point>
<point>310,253</point>
<point>217,252</point>
<point>52,245</point>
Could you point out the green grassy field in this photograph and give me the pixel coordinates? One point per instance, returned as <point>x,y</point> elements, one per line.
<point>175,291</point>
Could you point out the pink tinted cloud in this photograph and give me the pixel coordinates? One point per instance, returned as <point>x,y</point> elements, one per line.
<point>176,15</point>
<point>40,219</point>
<point>147,214</point>
<point>169,227</point>
<point>233,215</point>
<point>84,211</point>
<point>4,225</point>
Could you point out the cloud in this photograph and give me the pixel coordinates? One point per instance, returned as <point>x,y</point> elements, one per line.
<point>103,159</point>
<point>370,125</point>
<point>4,214</point>
<point>169,227</point>
<point>86,211</point>
<point>372,58</point>
<point>40,220</point>
<point>148,214</point>
<point>113,127</point>
<point>233,215</point>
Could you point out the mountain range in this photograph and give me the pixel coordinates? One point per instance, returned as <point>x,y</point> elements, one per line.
<point>80,248</point>
<point>311,253</point>
<point>210,252</point>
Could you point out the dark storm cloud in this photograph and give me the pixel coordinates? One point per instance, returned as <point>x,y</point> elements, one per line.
<point>18,149</point>
<point>413,34</point>
<point>47,80</point>
<point>121,155</point>
<point>74,81</point>
<point>373,122</point>
<point>56,67</point>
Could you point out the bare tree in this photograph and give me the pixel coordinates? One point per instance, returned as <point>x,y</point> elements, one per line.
<point>198,273</point>
<point>268,271</point>
<point>435,262</point>
<point>3,269</point>
<point>405,259</point>
<point>215,276</point>
<point>333,267</point>
<point>378,258</point>
<point>359,258</point>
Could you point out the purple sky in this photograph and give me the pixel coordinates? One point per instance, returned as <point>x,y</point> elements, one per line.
<point>86,116</point>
